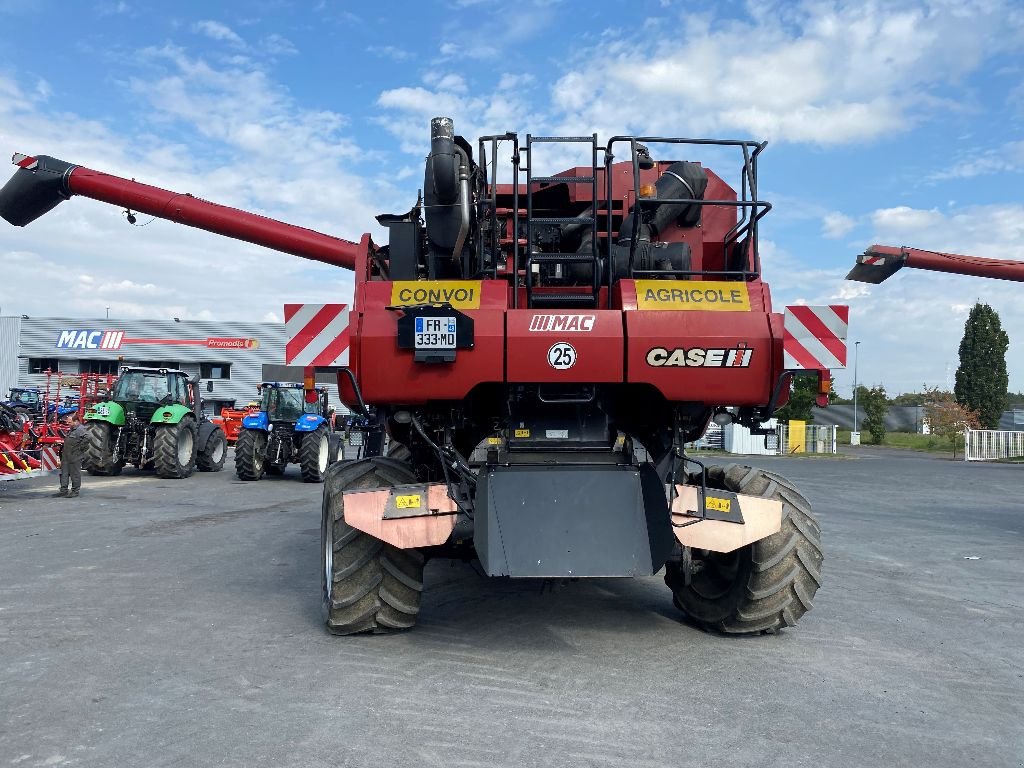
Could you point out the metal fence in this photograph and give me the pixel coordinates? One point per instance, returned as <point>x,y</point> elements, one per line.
<point>992,444</point>
<point>817,439</point>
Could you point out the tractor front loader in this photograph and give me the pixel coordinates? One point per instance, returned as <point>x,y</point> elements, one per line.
<point>540,353</point>
<point>154,420</point>
<point>287,429</point>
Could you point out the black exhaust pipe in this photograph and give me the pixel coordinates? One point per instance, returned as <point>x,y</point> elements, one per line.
<point>37,187</point>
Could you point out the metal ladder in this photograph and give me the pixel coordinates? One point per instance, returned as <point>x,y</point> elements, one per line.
<point>565,298</point>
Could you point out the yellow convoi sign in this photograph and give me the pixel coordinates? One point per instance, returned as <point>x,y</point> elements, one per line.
<point>461,294</point>
<point>706,295</point>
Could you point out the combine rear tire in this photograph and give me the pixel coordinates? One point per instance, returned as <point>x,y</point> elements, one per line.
<point>764,586</point>
<point>367,585</point>
<point>250,454</point>
<point>315,455</point>
<point>174,449</point>
<point>211,458</point>
<point>99,459</point>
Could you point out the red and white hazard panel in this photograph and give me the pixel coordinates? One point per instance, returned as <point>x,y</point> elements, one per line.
<point>49,457</point>
<point>815,337</point>
<point>317,334</point>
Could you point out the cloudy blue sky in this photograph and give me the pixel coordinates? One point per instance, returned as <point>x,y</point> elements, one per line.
<point>893,122</point>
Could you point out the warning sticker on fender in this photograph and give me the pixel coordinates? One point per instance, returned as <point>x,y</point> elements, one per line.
<point>412,501</point>
<point>713,296</point>
<point>717,505</point>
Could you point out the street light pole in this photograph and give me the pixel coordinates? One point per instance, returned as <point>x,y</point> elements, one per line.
<point>856,352</point>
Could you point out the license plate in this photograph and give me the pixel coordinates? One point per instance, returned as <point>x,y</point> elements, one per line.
<point>435,333</point>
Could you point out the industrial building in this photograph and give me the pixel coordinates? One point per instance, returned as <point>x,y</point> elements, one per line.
<point>232,358</point>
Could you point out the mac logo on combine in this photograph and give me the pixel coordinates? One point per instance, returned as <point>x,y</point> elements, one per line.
<point>79,339</point>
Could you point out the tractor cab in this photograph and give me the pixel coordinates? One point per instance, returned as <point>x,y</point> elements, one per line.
<point>287,402</point>
<point>21,397</point>
<point>156,386</point>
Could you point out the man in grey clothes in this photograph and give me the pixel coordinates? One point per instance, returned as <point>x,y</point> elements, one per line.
<point>71,456</point>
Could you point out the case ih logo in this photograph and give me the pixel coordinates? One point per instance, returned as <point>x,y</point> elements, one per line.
<point>562,323</point>
<point>78,339</point>
<point>699,357</point>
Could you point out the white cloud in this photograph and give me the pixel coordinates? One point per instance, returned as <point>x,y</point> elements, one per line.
<point>836,225</point>
<point>823,73</point>
<point>1008,158</point>
<point>217,31</point>
<point>277,45</point>
<point>390,52</point>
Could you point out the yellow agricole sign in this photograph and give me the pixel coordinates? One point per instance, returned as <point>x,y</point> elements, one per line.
<point>706,295</point>
<point>461,294</point>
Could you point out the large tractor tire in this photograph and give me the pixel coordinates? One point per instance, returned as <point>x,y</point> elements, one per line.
<point>250,454</point>
<point>367,585</point>
<point>174,449</point>
<point>315,454</point>
<point>99,452</point>
<point>762,587</point>
<point>211,458</point>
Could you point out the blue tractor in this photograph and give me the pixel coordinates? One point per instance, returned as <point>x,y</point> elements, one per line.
<point>290,428</point>
<point>26,401</point>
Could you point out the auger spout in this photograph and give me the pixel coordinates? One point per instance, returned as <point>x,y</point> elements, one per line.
<point>42,182</point>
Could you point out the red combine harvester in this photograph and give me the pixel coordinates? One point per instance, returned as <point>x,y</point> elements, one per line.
<point>521,343</point>
<point>880,262</point>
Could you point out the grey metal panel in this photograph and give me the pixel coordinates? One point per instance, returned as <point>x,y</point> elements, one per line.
<point>567,521</point>
<point>37,338</point>
<point>10,333</point>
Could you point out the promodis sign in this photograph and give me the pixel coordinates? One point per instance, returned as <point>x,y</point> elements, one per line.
<point>89,339</point>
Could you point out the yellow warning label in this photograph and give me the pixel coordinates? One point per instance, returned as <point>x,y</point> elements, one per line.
<point>494,441</point>
<point>461,294</point>
<point>522,433</point>
<point>713,296</point>
<point>718,505</point>
<point>412,501</point>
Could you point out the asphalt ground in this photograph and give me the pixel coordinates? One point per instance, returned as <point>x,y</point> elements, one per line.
<point>156,623</point>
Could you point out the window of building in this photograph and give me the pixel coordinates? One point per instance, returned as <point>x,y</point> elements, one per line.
<point>171,366</point>
<point>99,366</point>
<point>43,364</point>
<point>218,405</point>
<point>215,370</point>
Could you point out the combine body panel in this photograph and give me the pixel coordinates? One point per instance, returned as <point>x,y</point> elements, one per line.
<point>539,353</point>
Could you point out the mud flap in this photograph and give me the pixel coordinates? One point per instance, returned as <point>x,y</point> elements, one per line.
<point>570,521</point>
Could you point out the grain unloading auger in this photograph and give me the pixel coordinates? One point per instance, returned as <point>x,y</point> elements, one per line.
<point>880,262</point>
<point>540,352</point>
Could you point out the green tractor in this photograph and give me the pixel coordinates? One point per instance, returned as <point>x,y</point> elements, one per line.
<point>154,419</point>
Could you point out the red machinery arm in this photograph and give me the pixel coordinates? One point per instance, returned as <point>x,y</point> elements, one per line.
<point>41,182</point>
<point>880,261</point>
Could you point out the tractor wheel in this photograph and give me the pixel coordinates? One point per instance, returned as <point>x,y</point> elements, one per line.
<point>174,449</point>
<point>250,454</point>
<point>99,458</point>
<point>211,458</point>
<point>315,455</point>
<point>336,447</point>
<point>764,586</point>
<point>367,585</point>
<point>276,469</point>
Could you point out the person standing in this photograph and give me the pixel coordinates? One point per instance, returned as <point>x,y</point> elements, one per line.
<point>71,455</point>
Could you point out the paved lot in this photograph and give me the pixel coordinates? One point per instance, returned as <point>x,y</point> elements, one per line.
<point>155,622</point>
